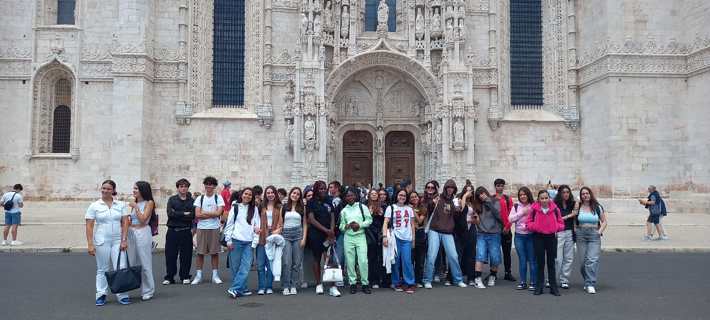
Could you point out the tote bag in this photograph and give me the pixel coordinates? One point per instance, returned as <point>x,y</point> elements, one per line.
<point>126,279</point>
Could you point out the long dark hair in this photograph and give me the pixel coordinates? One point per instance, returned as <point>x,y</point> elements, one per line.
<point>559,201</point>
<point>593,203</point>
<point>277,200</point>
<point>290,204</point>
<point>251,205</point>
<point>527,193</point>
<point>463,191</point>
<point>477,204</point>
<point>112,184</point>
<point>145,191</point>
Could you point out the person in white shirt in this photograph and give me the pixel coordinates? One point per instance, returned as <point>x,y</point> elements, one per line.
<point>140,238</point>
<point>208,211</point>
<point>106,236</point>
<point>400,217</point>
<point>12,201</point>
<point>242,228</point>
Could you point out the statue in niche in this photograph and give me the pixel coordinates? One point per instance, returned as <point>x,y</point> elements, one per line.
<point>328,17</point>
<point>352,107</point>
<point>419,25</point>
<point>458,131</point>
<point>345,23</point>
<point>449,29</point>
<point>436,23</point>
<point>382,13</point>
<point>309,128</point>
<point>304,23</point>
<point>461,28</point>
<point>289,133</point>
<point>316,25</point>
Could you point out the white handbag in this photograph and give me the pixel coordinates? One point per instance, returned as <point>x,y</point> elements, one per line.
<point>332,273</point>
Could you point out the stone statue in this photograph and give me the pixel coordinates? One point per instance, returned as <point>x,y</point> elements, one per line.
<point>419,25</point>
<point>436,20</point>
<point>304,23</point>
<point>309,128</point>
<point>345,23</point>
<point>316,25</point>
<point>461,28</point>
<point>450,29</point>
<point>328,17</point>
<point>382,13</point>
<point>458,131</point>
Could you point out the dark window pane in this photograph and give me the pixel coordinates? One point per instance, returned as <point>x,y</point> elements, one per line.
<point>392,17</point>
<point>228,56</point>
<point>526,52</point>
<point>65,11</point>
<point>61,132</point>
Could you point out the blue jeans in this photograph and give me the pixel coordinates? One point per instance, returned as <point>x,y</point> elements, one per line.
<point>434,240</point>
<point>590,245</point>
<point>240,263</point>
<point>340,250</point>
<point>403,260</point>
<point>263,269</point>
<point>488,248</point>
<point>526,256</point>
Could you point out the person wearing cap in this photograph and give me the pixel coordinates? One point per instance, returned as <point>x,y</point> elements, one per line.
<point>226,196</point>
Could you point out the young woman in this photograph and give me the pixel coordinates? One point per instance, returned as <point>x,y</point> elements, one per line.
<point>140,238</point>
<point>321,231</point>
<point>565,238</point>
<point>374,252</point>
<point>487,236</point>
<point>420,248</point>
<point>106,236</point>
<point>523,239</point>
<point>400,217</point>
<point>466,234</point>
<point>545,220</point>
<point>242,225</point>
<point>308,195</point>
<point>270,219</point>
<point>354,218</point>
<point>591,223</point>
<point>431,192</point>
<point>295,228</point>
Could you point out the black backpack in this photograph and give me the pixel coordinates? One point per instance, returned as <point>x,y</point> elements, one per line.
<point>9,204</point>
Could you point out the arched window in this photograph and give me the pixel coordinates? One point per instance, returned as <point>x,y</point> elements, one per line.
<point>526,80</point>
<point>228,55</point>
<point>371,15</point>
<point>65,11</point>
<point>61,132</point>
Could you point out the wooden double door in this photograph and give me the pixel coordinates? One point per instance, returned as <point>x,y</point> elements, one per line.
<point>358,160</point>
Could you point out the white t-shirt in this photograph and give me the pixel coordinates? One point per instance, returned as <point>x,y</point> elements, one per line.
<point>15,201</point>
<point>401,223</point>
<point>107,225</point>
<point>208,205</point>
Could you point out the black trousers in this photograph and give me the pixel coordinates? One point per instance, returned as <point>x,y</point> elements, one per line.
<point>178,243</point>
<point>506,242</point>
<point>545,247</point>
<point>375,270</point>
<point>420,252</point>
<point>468,256</point>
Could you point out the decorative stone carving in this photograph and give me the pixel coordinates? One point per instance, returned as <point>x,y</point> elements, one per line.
<point>345,23</point>
<point>436,23</point>
<point>265,114</point>
<point>309,134</point>
<point>458,132</point>
<point>328,17</point>
<point>419,25</point>
<point>382,17</point>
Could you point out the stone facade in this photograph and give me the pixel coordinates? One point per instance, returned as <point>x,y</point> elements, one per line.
<point>624,85</point>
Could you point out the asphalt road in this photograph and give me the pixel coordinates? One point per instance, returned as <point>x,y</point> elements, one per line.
<point>632,286</point>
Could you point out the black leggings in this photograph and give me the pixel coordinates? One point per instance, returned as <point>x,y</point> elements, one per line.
<point>506,242</point>
<point>545,246</point>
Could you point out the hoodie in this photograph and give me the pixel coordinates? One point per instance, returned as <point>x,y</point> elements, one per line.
<point>545,223</point>
<point>490,217</point>
<point>442,219</point>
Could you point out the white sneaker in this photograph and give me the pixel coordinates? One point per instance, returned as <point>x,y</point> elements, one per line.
<point>427,285</point>
<point>492,281</point>
<point>664,237</point>
<point>197,279</point>
<point>166,282</point>
<point>216,279</point>
<point>16,243</point>
<point>479,283</point>
<point>591,290</point>
<point>304,285</point>
<point>447,283</point>
<point>260,292</point>
<point>4,242</point>
<point>186,281</point>
<point>375,286</point>
<point>286,292</point>
<point>437,279</point>
<point>147,297</point>
<point>319,289</point>
<point>419,285</point>
<point>269,291</point>
<point>461,285</point>
<point>647,238</point>
<point>334,291</point>
<point>294,291</point>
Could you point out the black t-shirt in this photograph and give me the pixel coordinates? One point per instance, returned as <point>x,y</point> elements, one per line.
<point>321,212</point>
<point>569,223</point>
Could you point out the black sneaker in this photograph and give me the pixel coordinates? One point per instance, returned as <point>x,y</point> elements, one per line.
<point>509,277</point>
<point>366,289</point>
<point>353,289</point>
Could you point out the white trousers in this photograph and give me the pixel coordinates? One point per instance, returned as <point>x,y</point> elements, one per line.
<point>106,259</point>
<point>140,245</point>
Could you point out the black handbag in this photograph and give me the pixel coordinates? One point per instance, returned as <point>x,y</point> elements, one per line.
<point>370,235</point>
<point>126,279</point>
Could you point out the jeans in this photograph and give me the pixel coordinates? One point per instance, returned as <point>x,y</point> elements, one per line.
<point>526,256</point>
<point>403,260</point>
<point>506,244</point>
<point>107,258</point>
<point>292,264</point>
<point>590,246</point>
<point>565,255</point>
<point>434,239</point>
<point>240,263</point>
<point>178,243</point>
<point>488,248</point>
<point>263,269</point>
<point>545,252</point>
<point>140,250</point>
<point>340,251</point>
<point>356,255</point>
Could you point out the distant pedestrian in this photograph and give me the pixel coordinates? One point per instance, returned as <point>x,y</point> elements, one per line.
<point>656,211</point>
<point>226,195</point>
<point>12,203</point>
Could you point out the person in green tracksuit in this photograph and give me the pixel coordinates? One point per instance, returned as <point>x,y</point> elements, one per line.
<point>354,219</point>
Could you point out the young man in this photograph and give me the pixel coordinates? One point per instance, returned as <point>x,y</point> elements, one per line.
<point>226,196</point>
<point>258,194</point>
<point>506,236</point>
<point>208,210</point>
<point>178,239</point>
<point>12,202</point>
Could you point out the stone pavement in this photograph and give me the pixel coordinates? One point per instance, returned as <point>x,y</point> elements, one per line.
<point>59,227</point>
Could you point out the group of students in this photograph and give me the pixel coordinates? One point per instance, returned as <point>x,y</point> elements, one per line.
<point>394,237</point>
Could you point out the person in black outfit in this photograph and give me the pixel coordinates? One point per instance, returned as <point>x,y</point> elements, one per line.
<point>178,239</point>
